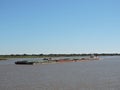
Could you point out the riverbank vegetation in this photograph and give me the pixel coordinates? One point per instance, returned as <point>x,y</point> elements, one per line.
<point>52,55</point>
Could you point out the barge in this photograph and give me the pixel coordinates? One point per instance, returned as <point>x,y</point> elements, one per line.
<point>48,61</point>
<point>3,59</point>
<point>25,62</point>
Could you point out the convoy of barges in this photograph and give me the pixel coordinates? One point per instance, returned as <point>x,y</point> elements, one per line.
<point>51,61</point>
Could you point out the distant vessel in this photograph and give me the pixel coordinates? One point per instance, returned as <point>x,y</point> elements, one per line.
<point>26,62</point>
<point>95,57</point>
<point>48,61</point>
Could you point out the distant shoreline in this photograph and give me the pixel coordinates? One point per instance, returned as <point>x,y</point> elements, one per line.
<point>3,57</point>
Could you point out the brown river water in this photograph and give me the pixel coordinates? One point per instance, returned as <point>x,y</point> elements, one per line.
<point>103,74</point>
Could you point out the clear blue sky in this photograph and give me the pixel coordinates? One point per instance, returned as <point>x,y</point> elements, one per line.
<point>59,26</point>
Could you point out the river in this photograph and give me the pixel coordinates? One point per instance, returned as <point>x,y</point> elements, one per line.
<point>103,74</point>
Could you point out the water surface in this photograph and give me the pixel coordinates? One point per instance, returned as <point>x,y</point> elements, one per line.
<point>101,74</point>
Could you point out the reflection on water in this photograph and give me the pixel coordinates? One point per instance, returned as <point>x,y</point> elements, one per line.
<point>103,74</point>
